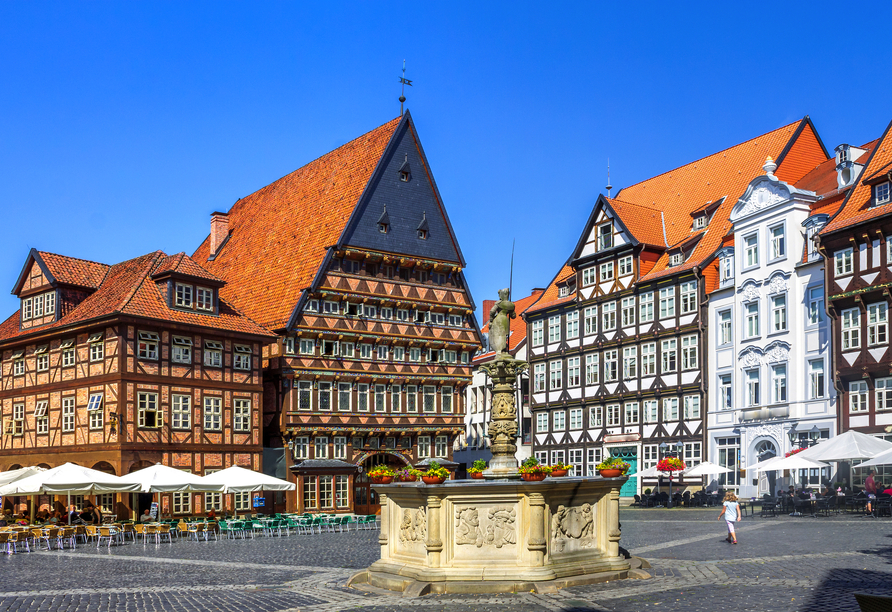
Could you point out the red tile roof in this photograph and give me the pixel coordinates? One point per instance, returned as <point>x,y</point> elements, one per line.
<point>644,222</point>
<point>280,234</point>
<point>856,209</point>
<point>73,271</point>
<point>127,289</point>
<point>185,265</point>
<point>549,298</point>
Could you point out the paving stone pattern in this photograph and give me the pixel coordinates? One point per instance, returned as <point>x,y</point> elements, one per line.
<point>781,564</point>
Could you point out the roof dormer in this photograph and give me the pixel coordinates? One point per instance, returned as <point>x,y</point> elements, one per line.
<point>847,167</point>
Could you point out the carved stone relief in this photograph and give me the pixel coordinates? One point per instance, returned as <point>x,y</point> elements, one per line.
<point>777,284</point>
<point>765,195</point>
<point>500,527</point>
<point>413,527</point>
<point>575,523</point>
<point>776,353</point>
<point>750,359</point>
<point>750,291</point>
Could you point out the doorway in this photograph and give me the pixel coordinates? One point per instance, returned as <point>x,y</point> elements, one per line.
<point>365,499</point>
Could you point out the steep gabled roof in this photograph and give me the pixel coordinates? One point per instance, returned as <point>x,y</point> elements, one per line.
<point>550,297</point>
<point>856,208</point>
<point>64,270</point>
<point>183,265</point>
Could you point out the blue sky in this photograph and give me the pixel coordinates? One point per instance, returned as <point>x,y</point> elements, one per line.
<point>123,125</point>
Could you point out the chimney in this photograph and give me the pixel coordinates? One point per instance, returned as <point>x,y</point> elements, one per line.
<point>537,291</point>
<point>487,306</point>
<point>219,231</point>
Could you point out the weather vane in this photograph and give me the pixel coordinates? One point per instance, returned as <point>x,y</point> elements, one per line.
<point>404,82</point>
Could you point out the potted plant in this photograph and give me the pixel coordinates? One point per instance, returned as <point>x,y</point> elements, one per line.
<point>435,474</point>
<point>476,469</point>
<point>408,474</point>
<point>532,470</point>
<point>381,474</point>
<point>560,469</point>
<point>671,464</point>
<point>613,467</point>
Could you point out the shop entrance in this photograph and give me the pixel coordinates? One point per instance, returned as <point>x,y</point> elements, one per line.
<point>365,499</point>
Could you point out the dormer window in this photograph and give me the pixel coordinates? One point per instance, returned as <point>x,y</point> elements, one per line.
<point>881,194</point>
<point>404,176</point>
<point>193,298</point>
<point>382,227</point>
<point>564,291</point>
<point>183,296</point>
<point>204,298</point>
<point>422,227</point>
<point>405,171</point>
<point>38,306</point>
<point>422,234</point>
<point>676,259</point>
<point>700,222</point>
<point>384,222</point>
<point>605,236</point>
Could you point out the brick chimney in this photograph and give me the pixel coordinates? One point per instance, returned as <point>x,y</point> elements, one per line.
<point>219,231</point>
<point>487,306</point>
<point>537,290</point>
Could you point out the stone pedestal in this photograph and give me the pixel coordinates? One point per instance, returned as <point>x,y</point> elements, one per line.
<point>497,536</point>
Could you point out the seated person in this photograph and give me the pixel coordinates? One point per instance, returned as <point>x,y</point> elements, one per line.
<point>211,514</point>
<point>21,519</point>
<point>87,515</point>
<point>146,516</point>
<point>55,518</point>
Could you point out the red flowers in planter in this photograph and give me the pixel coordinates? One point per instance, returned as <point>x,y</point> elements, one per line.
<point>671,464</point>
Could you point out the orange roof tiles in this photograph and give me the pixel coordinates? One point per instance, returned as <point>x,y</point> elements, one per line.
<point>549,297</point>
<point>856,208</point>
<point>645,222</point>
<point>185,265</point>
<point>280,233</point>
<point>73,271</point>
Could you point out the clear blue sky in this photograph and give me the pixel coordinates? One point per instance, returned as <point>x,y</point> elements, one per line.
<point>123,125</point>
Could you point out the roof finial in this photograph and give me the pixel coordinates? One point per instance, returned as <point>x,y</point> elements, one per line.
<point>769,167</point>
<point>404,82</point>
<point>609,186</point>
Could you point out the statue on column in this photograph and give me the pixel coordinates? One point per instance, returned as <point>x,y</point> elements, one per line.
<point>500,316</point>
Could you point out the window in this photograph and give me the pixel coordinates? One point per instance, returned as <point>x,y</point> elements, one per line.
<point>539,377</point>
<point>365,351</point>
<point>149,414</point>
<point>594,458</point>
<point>43,362</point>
<point>573,324</point>
<point>881,194</point>
<point>591,369</point>
<point>669,351</point>
<point>751,250</point>
<point>631,409</point>
<point>650,455</point>
<point>573,371</point>
<point>241,414</point>
<point>289,346</point>
<point>588,276</point>
<point>446,401</point>
<point>68,355</point>
<point>843,260</point>
<point>594,417</point>
<point>650,411</point>
<point>67,414</point>
<point>380,398</point>
<point>213,413</point>
<point>590,315</point>
<point>576,418</point>
<point>779,313</point>
<point>816,378</point>
<point>676,259</point>
<point>649,359</point>
<point>815,305</point>
<point>330,307</point>
<point>667,302</point>
<point>858,396</point>
<point>182,349</point>
<point>575,461</point>
<point>541,422</point>
<point>411,398</point>
<point>692,453</point>
<point>606,271</point>
<point>876,324</point>
<point>670,409</point>
<point>213,353</point>
<point>851,329</point>
<point>751,314</point>
<point>18,367</point>
<point>381,353</point>
<point>625,265</point>
<point>310,488</point>
<point>148,345</point>
<point>753,396</point>
<point>320,450</point>
<point>213,501</point>
<point>538,336</point>
<point>613,415</point>
<point>724,327</point>
<point>27,309</point>
<point>241,358</point>
<point>325,492</point>
<point>555,375</point>
<point>369,311</point>
<point>778,384</point>
<point>554,329</point>
<point>340,447</point>
<point>456,320</point>
<point>399,353</point>
<point>430,398</point>
<point>40,417</point>
<point>646,307</point>
<point>181,412</point>
<point>302,447</point>
<point>18,419</point>
<point>183,296</point>
<point>341,499</point>
<point>628,312</point>
<point>725,392</point>
<point>883,388</point>
<point>344,393</point>
<point>97,347</point>
<point>689,352</point>
<point>688,297</point>
<point>605,236</point>
<point>726,268</point>
<point>182,502</point>
<point>424,446</point>
<point>307,346</point>
<point>608,316</point>
<point>414,354</point>
<point>778,242</point>
<point>630,362</point>
<point>204,299</point>
<point>611,365</point>
<point>558,420</point>
<point>304,395</point>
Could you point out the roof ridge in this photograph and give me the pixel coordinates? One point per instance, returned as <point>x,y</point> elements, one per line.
<point>630,203</point>
<point>98,263</point>
<point>144,275</point>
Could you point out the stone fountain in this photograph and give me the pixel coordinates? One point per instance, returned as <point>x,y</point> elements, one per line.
<point>500,534</point>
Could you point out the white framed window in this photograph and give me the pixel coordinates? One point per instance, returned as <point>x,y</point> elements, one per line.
<point>778,384</point>
<point>649,359</point>
<point>43,362</point>
<point>573,324</point>
<point>320,447</point>
<point>182,349</point>
<point>414,353</point>
<point>630,362</point>
<point>593,459</point>
<point>424,446</point>
<point>573,371</point>
<point>402,314</point>
<point>399,353</point>
<point>851,329</point>
<point>149,415</point>
<point>446,401</point>
<point>241,357</point>
<point>97,347</point>
<point>883,388</point>
<point>692,453</point>
<point>307,346</point>
<point>575,418</point>
<point>881,194</point>
<point>539,377</point>
<point>605,236</point>
<point>541,422</point>
<point>213,413</point>
<point>815,305</point>
<point>843,261</point>
<point>554,329</point>
<point>181,411</point>
<point>646,307</point>
<point>331,307</point>
<point>669,352</point>
<point>590,315</point>
<point>611,365</point>
<point>68,354</point>
<point>858,396</point>
<point>651,411</point>
<point>877,324</point>
<point>18,367</point>
<point>676,259</point>
<point>588,276</point>
<point>437,317</point>
<point>557,456</point>
<point>650,454</point>
<point>608,316</point>
<point>147,345</point>
<point>538,333</point>
<point>326,498</point>
<point>396,398</point>
<point>724,327</point>
<point>302,447</point>
<point>204,298</point>
<point>625,265</point>
<point>41,420</point>
<point>575,461</point>
<point>753,393</point>
<point>555,375</point>
<point>312,306</point>
<point>751,319</point>
<point>628,311</point>
<point>613,415</point>
<point>304,395</point>
<point>779,313</point>
<point>369,311</point>
<point>726,268</point>
<point>606,271</point>
<point>631,409</point>
<point>381,352</point>
<point>751,250</point>
<point>691,407</point>
<point>411,398</point>
<point>183,296</point>
<point>667,302</point>
<point>27,308</point>
<point>689,352</point>
<point>558,420</point>
<point>816,378</point>
<point>340,447</point>
<point>67,414</point>
<point>241,414</point>
<point>18,419</point>
<point>344,397</point>
<point>591,369</point>
<point>595,416</point>
<point>778,242</point>
<point>429,393</point>
<point>212,500</point>
<point>182,502</point>
<point>726,396</point>
<point>670,409</point>
<point>380,398</point>
<point>365,351</point>
<point>213,354</point>
<point>688,297</point>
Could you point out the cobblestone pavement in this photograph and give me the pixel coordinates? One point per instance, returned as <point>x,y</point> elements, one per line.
<point>781,564</point>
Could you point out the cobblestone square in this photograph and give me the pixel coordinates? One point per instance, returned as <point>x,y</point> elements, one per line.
<point>781,564</point>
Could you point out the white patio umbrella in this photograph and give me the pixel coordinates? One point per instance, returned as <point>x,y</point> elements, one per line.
<point>846,447</point>
<point>68,478</point>
<point>765,463</point>
<point>650,472</point>
<point>706,468</point>
<point>881,459</point>
<point>13,475</point>
<point>793,462</point>
<point>240,480</point>
<point>163,479</point>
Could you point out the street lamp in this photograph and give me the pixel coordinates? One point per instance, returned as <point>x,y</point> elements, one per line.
<point>793,435</point>
<point>814,435</point>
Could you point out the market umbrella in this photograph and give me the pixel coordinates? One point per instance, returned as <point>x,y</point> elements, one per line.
<point>13,475</point>
<point>707,468</point>
<point>793,462</point>
<point>163,479</point>
<point>881,459</point>
<point>240,480</point>
<point>68,478</point>
<point>846,447</point>
<point>650,472</point>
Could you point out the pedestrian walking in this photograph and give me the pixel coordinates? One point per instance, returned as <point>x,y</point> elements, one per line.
<point>731,512</point>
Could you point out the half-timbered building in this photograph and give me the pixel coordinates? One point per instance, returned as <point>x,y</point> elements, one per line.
<point>617,340</point>
<point>352,261</point>
<point>120,367</point>
<point>856,245</point>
